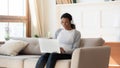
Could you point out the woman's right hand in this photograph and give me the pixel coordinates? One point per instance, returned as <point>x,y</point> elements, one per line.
<point>62,50</point>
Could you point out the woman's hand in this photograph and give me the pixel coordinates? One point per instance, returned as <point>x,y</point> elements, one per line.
<point>62,50</point>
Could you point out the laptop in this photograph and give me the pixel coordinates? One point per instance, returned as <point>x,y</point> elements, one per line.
<point>49,45</point>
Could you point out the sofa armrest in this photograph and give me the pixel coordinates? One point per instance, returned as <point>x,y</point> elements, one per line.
<point>93,57</point>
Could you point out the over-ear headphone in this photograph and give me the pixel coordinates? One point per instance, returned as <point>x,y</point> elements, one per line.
<point>72,22</point>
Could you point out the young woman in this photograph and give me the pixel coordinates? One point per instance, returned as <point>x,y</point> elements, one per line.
<point>69,39</point>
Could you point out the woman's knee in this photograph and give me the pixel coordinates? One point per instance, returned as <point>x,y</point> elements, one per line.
<point>53,55</point>
<point>44,56</point>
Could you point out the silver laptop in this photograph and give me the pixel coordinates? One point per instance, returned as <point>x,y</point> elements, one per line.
<point>49,45</point>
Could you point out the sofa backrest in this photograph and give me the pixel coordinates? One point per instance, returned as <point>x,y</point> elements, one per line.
<point>91,42</point>
<point>33,47</point>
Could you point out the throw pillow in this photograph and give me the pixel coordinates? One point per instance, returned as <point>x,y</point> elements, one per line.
<point>12,47</point>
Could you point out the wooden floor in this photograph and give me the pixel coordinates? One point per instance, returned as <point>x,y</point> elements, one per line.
<point>115,54</point>
<point>114,67</point>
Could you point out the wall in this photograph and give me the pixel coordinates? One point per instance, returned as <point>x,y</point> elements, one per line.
<point>100,19</point>
<point>50,16</point>
<point>90,9</point>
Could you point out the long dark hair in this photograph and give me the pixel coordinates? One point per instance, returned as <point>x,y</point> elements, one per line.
<point>69,16</point>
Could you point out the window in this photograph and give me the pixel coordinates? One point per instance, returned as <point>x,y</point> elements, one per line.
<point>14,17</point>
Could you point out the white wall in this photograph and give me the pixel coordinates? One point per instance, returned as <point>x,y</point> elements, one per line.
<point>50,16</point>
<point>95,19</point>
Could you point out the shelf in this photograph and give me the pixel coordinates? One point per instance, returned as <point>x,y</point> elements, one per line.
<point>91,3</point>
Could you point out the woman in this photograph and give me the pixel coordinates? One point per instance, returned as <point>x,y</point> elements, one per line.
<point>69,39</point>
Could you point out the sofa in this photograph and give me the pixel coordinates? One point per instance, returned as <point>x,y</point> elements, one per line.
<point>91,54</point>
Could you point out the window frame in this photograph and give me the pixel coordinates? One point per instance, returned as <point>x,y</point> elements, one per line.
<point>25,19</point>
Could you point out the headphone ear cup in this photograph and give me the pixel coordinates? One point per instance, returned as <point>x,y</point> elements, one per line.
<point>71,21</point>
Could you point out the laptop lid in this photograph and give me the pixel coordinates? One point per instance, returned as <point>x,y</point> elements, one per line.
<point>49,45</point>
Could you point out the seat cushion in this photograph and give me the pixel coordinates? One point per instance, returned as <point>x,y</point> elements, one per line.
<point>63,64</point>
<point>14,61</point>
<point>31,63</point>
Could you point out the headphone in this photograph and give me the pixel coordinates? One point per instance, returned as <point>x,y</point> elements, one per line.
<point>72,22</point>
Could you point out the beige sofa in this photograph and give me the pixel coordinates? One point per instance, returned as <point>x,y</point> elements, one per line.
<point>91,54</point>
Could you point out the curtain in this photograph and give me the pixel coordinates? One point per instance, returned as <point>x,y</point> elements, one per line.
<point>37,18</point>
<point>64,1</point>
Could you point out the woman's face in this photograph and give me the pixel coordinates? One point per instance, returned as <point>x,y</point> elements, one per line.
<point>66,23</point>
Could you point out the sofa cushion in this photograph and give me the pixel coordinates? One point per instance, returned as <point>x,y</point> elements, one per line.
<point>63,64</point>
<point>12,47</point>
<point>31,63</point>
<point>91,42</point>
<point>32,48</point>
<point>14,61</point>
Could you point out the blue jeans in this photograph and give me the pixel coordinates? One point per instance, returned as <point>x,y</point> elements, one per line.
<point>50,59</point>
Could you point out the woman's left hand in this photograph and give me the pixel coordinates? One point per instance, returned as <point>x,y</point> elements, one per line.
<point>62,50</point>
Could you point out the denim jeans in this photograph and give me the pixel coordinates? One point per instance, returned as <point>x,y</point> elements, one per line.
<point>49,59</point>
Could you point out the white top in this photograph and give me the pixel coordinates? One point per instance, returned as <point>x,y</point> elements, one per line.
<point>69,39</point>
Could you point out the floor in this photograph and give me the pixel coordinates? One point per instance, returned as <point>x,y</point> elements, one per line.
<point>114,67</point>
<point>115,54</point>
